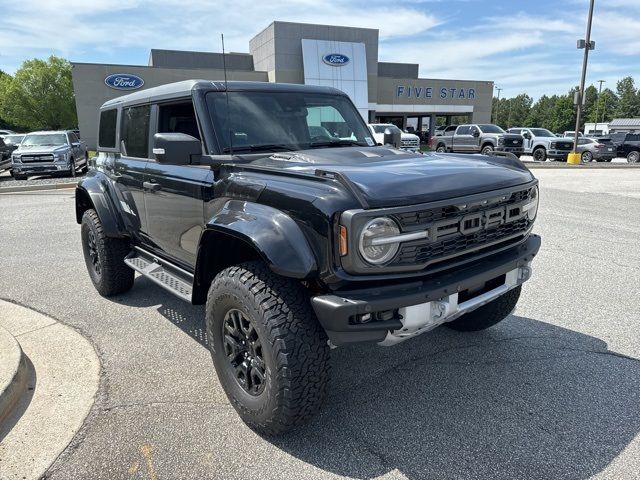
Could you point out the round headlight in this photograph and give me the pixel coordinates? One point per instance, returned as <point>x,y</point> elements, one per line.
<point>532,206</point>
<point>372,245</point>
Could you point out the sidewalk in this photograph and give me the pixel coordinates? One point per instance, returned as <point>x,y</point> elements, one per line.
<point>63,376</point>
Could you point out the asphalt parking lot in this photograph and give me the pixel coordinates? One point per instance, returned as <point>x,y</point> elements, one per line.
<point>551,392</point>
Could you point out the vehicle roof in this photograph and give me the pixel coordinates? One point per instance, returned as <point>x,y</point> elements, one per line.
<point>185,88</point>
<point>47,132</point>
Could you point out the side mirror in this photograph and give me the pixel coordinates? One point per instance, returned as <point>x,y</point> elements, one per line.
<point>393,137</point>
<point>176,148</point>
<point>476,133</point>
<point>527,135</point>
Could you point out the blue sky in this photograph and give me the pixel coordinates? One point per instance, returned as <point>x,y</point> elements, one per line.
<point>524,46</point>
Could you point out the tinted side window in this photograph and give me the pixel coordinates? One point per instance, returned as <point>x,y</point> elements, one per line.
<point>73,138</point>
<point>107,130</point>
<point>135,131</point>
<point>178,118</point>
<point>465,130</point>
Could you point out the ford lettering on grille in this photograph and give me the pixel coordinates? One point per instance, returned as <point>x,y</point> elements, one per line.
<point>476,222</point>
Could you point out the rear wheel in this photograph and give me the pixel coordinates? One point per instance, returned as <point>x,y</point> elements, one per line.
<point>633,157</point>
<point>270,353</point>
<point>487,315</point>
<point>539,154</point>
<point>441,149</point>
<point>104,257</point>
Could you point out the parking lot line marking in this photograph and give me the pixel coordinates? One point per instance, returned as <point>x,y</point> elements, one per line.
<point>146,453</point>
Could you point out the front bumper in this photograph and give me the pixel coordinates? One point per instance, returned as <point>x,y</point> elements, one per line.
<point>336,313</point>
<point>514,150</point>
<point>558,154</point>
<point>39,168</point>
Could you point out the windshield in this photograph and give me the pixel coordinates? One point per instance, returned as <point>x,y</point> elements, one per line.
<point>285,121</point>
<point>490,129</point>
<point>541,132</point>
<point>45,139</point>
<point>13,139</point>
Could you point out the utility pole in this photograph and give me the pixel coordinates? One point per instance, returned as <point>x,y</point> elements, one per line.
<point>598,102</point>
<point>588,45</point>
<point>498,104</point>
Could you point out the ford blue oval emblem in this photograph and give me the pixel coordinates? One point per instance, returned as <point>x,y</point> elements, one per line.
<point>335,59</point>
<point>124,81</point>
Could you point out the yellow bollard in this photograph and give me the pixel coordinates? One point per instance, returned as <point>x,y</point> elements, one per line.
<point>574,159</point>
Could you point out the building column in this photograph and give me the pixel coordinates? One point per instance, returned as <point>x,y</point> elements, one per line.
<point>432,125</point>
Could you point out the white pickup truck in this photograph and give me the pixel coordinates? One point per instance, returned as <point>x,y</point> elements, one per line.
<point>409,141</point>
<point>541,144</point>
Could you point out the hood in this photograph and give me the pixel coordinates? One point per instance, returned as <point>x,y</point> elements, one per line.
<point>387,177</point>
<point>40,148</point>
<point>409,136</point>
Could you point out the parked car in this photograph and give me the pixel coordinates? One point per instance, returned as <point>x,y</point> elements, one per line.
<point>49,152</point>
<point>627,145</point>
<point>6,132</point>
<point>478,138</point>
<point>408,141</point>
<point>13,140</point>
<point>541,144</point>
<point>294,244</point>
<point>571,134</point>
<point>593,149</point>
<point>5,156</point>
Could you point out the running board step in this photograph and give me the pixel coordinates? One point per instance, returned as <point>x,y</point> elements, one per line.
<point>167,278</point>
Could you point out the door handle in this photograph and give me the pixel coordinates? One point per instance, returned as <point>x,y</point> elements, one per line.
<point>151,186</point>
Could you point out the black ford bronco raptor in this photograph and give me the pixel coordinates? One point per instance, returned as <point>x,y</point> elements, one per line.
<point>272,205</point>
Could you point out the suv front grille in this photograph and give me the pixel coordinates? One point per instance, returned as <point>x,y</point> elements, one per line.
<point>37,158</point>
<point>449,222</point>
<point>564,145</point>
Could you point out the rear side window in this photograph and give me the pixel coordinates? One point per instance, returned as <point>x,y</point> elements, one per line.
<point>463,130</point>
<point>135,131</point>
<point>107,130</point>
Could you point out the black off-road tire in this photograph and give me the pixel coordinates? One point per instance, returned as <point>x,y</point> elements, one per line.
<point>487,315</point>
<point>633,157</point>
<point>441,148</point>
<point>294,347</point>
<point>112,276</point>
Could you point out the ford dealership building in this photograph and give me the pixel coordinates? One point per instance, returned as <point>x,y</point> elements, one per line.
<point>342,57</point>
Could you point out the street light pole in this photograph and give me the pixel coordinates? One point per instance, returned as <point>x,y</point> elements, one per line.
<point>498,103</point>
<point>574,158</point>
<point>598,102</point>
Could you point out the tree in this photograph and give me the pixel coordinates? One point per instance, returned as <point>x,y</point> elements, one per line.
<point>628,99</point>
<point>590,102</point>
<point>39,95</point>
<point>541,113</point>
<point>563,116</point>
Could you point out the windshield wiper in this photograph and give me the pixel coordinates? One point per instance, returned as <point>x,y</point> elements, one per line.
<point>336,143</point>
<point>260,147</point>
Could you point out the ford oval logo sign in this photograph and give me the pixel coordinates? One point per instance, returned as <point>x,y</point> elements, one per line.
<point>124,81</point>
<point>335,59</point>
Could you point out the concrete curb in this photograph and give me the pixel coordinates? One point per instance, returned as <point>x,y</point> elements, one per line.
<point>35,188</point>
<point>13,373</point>
<point>63,379</point>
<point>582,166</point>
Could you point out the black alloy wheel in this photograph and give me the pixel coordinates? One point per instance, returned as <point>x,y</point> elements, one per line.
<point>539,155</point>
<point>92,250</point>
<point>243,349</point>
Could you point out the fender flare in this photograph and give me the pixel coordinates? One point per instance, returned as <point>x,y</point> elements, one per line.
<point>272,233</point>
<point>92,192</point>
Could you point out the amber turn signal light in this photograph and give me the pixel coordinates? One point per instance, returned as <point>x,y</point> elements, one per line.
<point>343,241</point>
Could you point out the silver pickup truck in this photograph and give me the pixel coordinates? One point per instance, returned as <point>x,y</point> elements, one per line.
<point>42,153</point>
<point>478,138</point>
